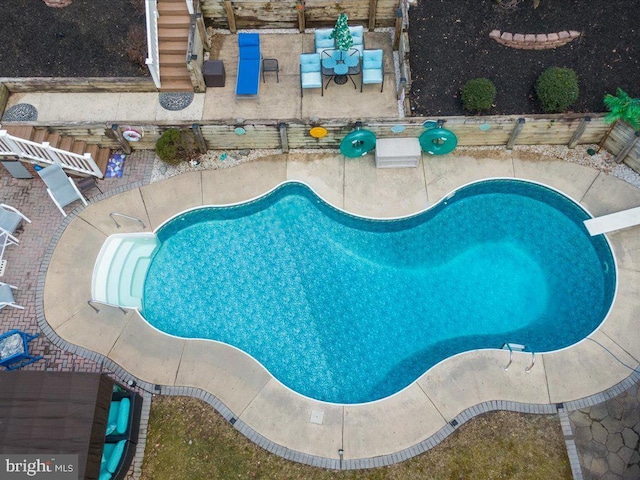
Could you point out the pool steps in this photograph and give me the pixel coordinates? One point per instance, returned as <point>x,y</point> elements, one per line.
<point>121,268</point>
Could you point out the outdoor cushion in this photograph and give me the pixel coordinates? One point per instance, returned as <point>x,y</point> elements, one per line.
<point>325,43</point>
<point>251,52</point>
<point>248,76</point>
<point>356,30</point>
<point>372,59</point>
<point>323,34</point>
<point>123,415</point>
<point>372,76</point>
<point>357,39</point>
<point>116,455</point>
<point>113,417</point>
<point>311,80</point>
<point>248,39</point>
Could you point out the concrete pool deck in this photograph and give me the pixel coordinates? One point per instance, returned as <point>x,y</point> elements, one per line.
<point>377,433</point>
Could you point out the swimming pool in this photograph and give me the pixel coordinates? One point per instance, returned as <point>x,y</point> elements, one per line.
<point>349,310</point>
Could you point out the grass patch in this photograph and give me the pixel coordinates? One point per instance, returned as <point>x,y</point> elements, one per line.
<point>187,439</point>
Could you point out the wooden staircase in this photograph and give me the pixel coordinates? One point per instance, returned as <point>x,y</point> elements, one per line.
<point>173,39</point>
<point>99,154</point>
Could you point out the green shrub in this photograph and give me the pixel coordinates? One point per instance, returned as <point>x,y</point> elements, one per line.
<point>175,146</point>
<point>478,94</point>
<point>557,89</point>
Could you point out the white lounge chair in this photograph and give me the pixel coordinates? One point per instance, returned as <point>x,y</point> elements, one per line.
<point>6,296</point>
<point>10,219</point>
<point>60,187</point>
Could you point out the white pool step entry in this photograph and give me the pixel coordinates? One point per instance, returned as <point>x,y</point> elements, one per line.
<point>613,221</point>
<point>121,268</point>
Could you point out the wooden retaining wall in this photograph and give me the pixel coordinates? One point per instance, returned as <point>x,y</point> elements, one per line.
<point>622,137</point>
<point>471,131</point>
<point>263,14</point>
<point>69,84</point>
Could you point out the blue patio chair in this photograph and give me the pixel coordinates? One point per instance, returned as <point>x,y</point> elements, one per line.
<point>310,72</point>
<point>60,188</point>
<point>249,64</point>
<point>323,39</point>
<point>372,68</point>
<point>357,33</point>
<point>6,296</point>
<point>14,350</point>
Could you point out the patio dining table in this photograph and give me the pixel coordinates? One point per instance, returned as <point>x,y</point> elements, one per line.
<point>340,65</point>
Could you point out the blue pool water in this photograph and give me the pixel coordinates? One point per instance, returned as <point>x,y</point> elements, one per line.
<point>350,310</point>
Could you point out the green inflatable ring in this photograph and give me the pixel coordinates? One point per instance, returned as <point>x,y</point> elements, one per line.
<point>358,143</point>
<point>438,141</point>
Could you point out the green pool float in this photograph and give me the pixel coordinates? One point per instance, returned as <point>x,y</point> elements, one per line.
<point>438,141</point>
<point>358,143</point>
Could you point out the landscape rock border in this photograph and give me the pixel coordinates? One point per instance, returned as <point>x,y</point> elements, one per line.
<point>531,41</point>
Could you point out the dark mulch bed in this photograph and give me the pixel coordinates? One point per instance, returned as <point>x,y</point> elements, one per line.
<point>450,44</point>
<point>86,39</point>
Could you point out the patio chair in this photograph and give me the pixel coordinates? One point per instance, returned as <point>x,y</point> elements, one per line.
<point>60,187</point>
<point>323,39</point>
<point>6,296</point>
<point>10,221</point>
<point>310,72</point>
<point>249,64</point>
<point>372,68</point>
<point>357,33</point>
<point>14,350</point>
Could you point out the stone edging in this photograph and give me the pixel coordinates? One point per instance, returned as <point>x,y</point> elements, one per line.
<point>530,41</point>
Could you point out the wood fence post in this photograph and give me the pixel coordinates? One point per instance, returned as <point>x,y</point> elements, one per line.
<point>228,7</point>
<point>578,133</point>
<point>627,148</point>
<point>514,133</point>
<point>398,29</point>
<point>284,140</point>
<point>115,133</point>
<point>373,8</point>
<point>300,6</point>
<point>202,144</point>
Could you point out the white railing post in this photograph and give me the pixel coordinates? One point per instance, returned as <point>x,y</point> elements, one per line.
<point>153,51</point>
<point>190,6</point>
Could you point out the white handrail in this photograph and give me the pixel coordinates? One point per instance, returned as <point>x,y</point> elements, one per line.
<point>153,51</point>
<point>45,153</point>
<point>190,7</point>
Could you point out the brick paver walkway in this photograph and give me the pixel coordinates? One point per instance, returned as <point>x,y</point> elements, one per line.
<point>24,260</point>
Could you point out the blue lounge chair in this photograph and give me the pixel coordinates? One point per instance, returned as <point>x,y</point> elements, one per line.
<point>249,62</point>
<point>60,188</point>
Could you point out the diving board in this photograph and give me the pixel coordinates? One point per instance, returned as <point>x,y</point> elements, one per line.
<point>613,221</point>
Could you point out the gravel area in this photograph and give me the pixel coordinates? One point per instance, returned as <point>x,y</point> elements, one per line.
<point>215,159</point>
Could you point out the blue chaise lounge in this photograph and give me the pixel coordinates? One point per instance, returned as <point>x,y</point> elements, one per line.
<point>249,62</point>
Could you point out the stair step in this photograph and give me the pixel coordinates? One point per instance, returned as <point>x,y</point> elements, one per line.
<point>92,150</point>
<point>22,131</point>
<point>66,143</point>
<point>40,135</point>
<point>172,7</point>
<point>174,72</point>
<point>173,34</point>
<point>174,21</point>
<point>102,158</point>
<point>172,60</point>
<point>173,46</point>
<point>54,139</point>
<point>79,147</point>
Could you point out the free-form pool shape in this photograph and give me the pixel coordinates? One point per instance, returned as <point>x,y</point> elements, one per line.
<point>348,310</point>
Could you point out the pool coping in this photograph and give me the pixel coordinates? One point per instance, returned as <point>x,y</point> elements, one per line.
<point>410,432</point>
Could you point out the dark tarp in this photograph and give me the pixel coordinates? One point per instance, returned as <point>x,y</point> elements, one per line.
<point>55,413</point>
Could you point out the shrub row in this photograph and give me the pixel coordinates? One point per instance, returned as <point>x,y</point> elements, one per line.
<point>556,89</point>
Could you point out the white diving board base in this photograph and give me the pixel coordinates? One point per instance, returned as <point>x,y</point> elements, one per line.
<point>613,221</point>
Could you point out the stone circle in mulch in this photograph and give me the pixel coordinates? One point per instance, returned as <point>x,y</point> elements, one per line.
<point>175,101</point>
<point>450,44</point>
<point>21,112</point>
